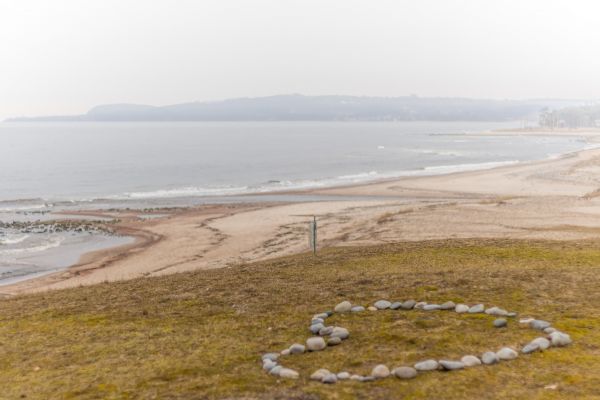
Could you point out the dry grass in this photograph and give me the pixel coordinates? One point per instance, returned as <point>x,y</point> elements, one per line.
<point>200,335</point>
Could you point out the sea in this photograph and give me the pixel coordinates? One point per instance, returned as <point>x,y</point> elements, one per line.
<point>46,168</point>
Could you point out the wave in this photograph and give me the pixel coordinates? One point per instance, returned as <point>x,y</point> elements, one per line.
<point>13,239</point>
<point>33,249</point>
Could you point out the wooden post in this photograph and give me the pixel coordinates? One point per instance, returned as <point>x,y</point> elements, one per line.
<point>314,235</point>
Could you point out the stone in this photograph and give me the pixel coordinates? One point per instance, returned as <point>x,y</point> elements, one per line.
<point>511,314</point>
<point>315,344</point>
<point>539,324</point>
<point>461,308</point>
<point>356,377</point>
<point>342,376</point>
<point>396,305</point>
<point>325,331</point>
<point>420,305</point>
<point>285,352</point>
<point>367,379</point>
<point>334,341</point>
<point>427,365</point>
<point>404,372</point>
<point>470,361</point>
<point>275,370</point>
<point>340,332</point>
<point>549,330</point>
<point>500,323</point>
<point>288,373</point>
<point>329,313</point>
<point>319,374</point>
<point>344,306</point>
<point>315,328</point>
<point>380,371</point>
<point>478,308</point>
<point>371,308</point>
<point>268,365</point>
<point>542,342</point>
<point>330,378</point>
<point>496,311</point>
<point>321,315</point>
<point>317,321</point>
<point>525,320</point>
<point>408,305</point>
<point>506,353</point>
<point>530,348</point>
<point>382,304</point>
<point>357,309</point>
<point>432,307</point>
<point>270,356</point>
<point>297,348</point>
<point>489,358</point>
<point>560,339</point>
<point>451,365</point>
<point>449,305</point>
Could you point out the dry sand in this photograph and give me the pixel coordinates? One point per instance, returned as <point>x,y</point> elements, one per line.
<point>552,199</point>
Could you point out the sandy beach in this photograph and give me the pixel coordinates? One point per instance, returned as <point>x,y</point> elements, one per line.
<point>552,199</point>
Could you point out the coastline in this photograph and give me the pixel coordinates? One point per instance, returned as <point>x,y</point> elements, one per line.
<point>553,198</point>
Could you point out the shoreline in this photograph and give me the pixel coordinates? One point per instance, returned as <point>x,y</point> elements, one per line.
<point>391,197</point>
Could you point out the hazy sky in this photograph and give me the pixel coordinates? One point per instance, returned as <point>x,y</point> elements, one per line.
<point>64,56</point>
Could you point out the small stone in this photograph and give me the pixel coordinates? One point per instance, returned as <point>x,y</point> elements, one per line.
<point>315,328</point>
<point>542,342</point>
<point>427,365</point>
<point>334,341</point>
<point>297,348</point>
<point>288,373</point>
<point>432,307</point>
<point>451,365</point>
<point>355,378</point>
<point>525,320</point>
<point>367,379</point>
<point>319,374</point>
<point>478,308</point>
<point>321,315</point>
<point>325,331</point>
<point>285,352</point>
<point>330,378</point>
<point>270,356</point>
<point>268,365</point>
<point>396,305</point>
<point>357,309</point>
<point>489,358</point>
<point>404,372</point>
<point>506,353</point>
<point>343,307</point>
<point>560,339</point>
<point>496,311</point>
<point>382,304</point>
<point>275,370</point>
<point>380,371</point>
<point>408,305</point>
<point>449,305</point>
<point>315,344</point>
<point>550,330</point>
<point>317,321</point>
<point>470,361</point>
<point>342,376</point>
<point>539,324</point>
<point>420,305</point>
<point>340,332</point>
<point>511,314</point>
<point>500,323</point>
<point>461,308</point>
<point>371,308</point>
<point>530,348</point>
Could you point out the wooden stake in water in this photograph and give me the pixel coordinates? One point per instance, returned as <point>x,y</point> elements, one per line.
<point>312,235</point>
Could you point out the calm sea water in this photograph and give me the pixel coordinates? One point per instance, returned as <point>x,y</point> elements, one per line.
<point>84,161</point>
<point>48,167</point>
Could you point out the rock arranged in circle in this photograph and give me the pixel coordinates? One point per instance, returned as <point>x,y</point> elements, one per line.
<point>330,335</point>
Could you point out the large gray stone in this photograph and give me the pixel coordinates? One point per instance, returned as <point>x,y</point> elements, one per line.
<point>449,305</point>
<point>461,308</point>
<point>333,341</point>
<point>297,348</point>
<point>270,356</point>
<point>319,374</point>
<point>396,305</point>
<point>427,365</point>
<point>315,328</point>
<point>451,365</point>
<point>343,307</point>
<point>432,307</point>
<point>380,371</point>
<point>315,344</point>
<point>330,378</point>
<point>496,311</point>
<point>476,309</point>
<point>489,358</point>
<point>340,332</point>
<point>357,309</point>
<point>506,353</point>
<point>560,339</point>
<point>530,348</point>
<point>500,323</point>
<point>539,324</point>
<point>404,372</point>
<point>382,304</point>
<point>542,342</point>
<point>276,370</point>
<point>342,376</point>
<point>408,305</point>
<point>325,331</point>
<point>288,373</point>
<point>470,361</point>
<point>269,365</point>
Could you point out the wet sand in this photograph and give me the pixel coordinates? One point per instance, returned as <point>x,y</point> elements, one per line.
<point>552,199</point>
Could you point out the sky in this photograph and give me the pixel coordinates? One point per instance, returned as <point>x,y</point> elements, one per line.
<point>66,56</point>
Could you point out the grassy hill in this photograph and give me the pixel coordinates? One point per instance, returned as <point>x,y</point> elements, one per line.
<point>200,335</point>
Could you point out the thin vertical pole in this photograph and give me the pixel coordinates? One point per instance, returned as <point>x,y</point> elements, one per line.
<point>314,235</point>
